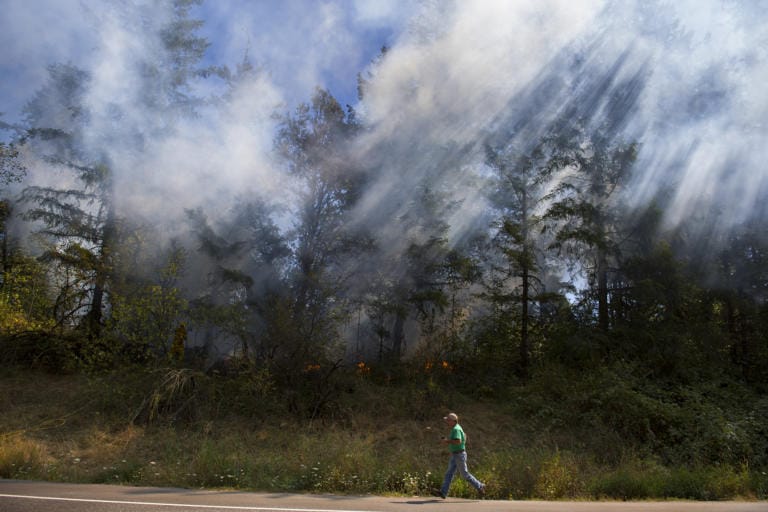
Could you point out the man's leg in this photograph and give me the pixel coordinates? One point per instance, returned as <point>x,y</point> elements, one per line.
<point>461,463</point>
<point>448,476</point>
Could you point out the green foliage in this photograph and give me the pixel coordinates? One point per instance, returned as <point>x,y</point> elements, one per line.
<point>648,481</point>
<point>148,319</point>
<point>176,353</point>
<point>24,300</point>
<point>615,409</point>
<point>558,478</point>
<point>57,352</point>
<point>146,322</point>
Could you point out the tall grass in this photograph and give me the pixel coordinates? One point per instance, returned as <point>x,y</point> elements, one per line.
<point>373,444</point>
<point>21,458</point>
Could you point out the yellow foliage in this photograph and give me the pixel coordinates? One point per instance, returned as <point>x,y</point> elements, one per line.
<point>14,320</point>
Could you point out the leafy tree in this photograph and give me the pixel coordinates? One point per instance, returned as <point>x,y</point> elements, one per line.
<point>742,288</point>
<point>24,295</point>
<point>244,259</point>
<point>81,221</point>
<point>425,277</point>
<point>439,278</point>
<point>314,142</point>
<point>147,315</point>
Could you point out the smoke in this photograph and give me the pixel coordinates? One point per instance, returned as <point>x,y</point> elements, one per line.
<point>685,79</point>
<point>164,162</point>
<point>701,115</point>
<point>35,34</point>
<point>439,91</point>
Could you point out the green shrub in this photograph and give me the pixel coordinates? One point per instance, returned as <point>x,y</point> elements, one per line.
<point>759,484</point>
<point>511,473</point>
<point>622,484</point>
<point>559,478</point>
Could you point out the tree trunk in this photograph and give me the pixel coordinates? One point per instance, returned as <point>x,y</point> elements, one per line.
<point>526,275</point>
<point>94,315</point>
<point>398,334</point>
<point>602,289</point>
<point>524,348</point>
<point>104,268</point>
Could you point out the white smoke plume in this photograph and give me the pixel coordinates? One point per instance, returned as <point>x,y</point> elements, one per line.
<point>455,71</point>
<point>683,79</point>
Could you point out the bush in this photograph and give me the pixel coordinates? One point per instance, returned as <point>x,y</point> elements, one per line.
<point>624,484</point>
<point>559,478</point>
<point>56,353</point>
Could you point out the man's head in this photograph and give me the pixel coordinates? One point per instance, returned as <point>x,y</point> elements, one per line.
<point>451,419</point>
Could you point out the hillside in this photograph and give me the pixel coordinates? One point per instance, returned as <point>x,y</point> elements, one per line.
<point>563,435</point>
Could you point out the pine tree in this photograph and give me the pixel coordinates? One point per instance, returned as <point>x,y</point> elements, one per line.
<point>518,194</point>
<point>589,169</point>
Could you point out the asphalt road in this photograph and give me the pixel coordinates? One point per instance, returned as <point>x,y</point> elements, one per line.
<point>26,496</point>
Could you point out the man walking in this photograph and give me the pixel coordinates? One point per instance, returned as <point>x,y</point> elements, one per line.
<point>457,441</point>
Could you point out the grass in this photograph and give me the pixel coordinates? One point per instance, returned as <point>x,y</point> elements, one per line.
<point>90,429</point>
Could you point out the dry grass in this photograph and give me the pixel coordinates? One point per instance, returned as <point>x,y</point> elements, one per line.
<point>76,429</point>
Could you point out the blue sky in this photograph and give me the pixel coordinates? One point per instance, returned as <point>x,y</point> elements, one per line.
<point>304,43</point>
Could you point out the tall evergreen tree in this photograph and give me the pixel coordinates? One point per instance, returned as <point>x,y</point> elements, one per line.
<point>82,221</point>
<point>517,194</point>
<point>590,169</point>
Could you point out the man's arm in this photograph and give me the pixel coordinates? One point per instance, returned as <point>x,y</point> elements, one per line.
<point>455,440</point>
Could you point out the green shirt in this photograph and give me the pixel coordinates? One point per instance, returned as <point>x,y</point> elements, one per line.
<point>457,433</point>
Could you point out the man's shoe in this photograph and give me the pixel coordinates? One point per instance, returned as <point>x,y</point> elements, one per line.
<point>481,491</point>
<point>439,494</point>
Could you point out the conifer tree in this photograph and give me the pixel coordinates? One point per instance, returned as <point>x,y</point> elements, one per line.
<point>589,169</point>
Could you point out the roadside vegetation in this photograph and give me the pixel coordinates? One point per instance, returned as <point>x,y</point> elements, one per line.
<point>561,436</point>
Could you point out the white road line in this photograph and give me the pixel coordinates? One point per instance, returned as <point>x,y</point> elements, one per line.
<point>180,505</point>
